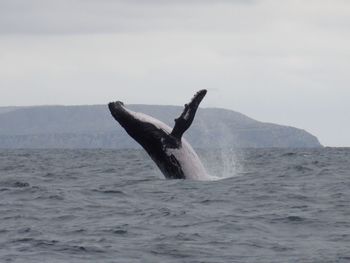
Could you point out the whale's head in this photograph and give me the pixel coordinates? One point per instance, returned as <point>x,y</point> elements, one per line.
<point>136,124</point>
<point>119,112</point>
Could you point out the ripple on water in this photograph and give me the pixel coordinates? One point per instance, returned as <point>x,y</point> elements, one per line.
<point>112,206</point>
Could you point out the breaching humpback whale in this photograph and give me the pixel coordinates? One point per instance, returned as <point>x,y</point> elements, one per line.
<point>168,149</point>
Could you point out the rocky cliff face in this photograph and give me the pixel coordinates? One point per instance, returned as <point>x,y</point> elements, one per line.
<point>93,127</point>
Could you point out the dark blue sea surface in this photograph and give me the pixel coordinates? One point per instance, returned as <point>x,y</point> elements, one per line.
<point>272,205</point>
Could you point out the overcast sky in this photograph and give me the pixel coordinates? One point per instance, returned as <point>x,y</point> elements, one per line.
<point>280,61</point>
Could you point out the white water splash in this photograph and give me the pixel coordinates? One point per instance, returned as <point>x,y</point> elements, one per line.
<point>221,162</point>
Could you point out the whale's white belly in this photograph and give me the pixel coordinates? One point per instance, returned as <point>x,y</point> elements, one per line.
<point>188,159</point>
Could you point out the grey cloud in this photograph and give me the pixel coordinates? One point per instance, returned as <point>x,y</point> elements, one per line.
<point>92,16</point>
<point>115,16</point>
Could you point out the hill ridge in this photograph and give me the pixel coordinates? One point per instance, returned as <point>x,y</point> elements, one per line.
<point>92,126</point>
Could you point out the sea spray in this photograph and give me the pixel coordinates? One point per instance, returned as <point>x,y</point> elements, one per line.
<point>221,162</point>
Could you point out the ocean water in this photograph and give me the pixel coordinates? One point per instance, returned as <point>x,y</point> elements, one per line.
<point>271,205</point>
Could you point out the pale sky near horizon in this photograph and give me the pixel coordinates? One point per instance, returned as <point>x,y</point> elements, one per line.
<point>280,61</point>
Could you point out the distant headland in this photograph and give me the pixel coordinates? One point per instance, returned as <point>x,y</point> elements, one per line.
<point>93,127</point>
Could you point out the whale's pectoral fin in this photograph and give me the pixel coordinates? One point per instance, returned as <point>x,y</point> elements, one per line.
<point>185,120</point>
